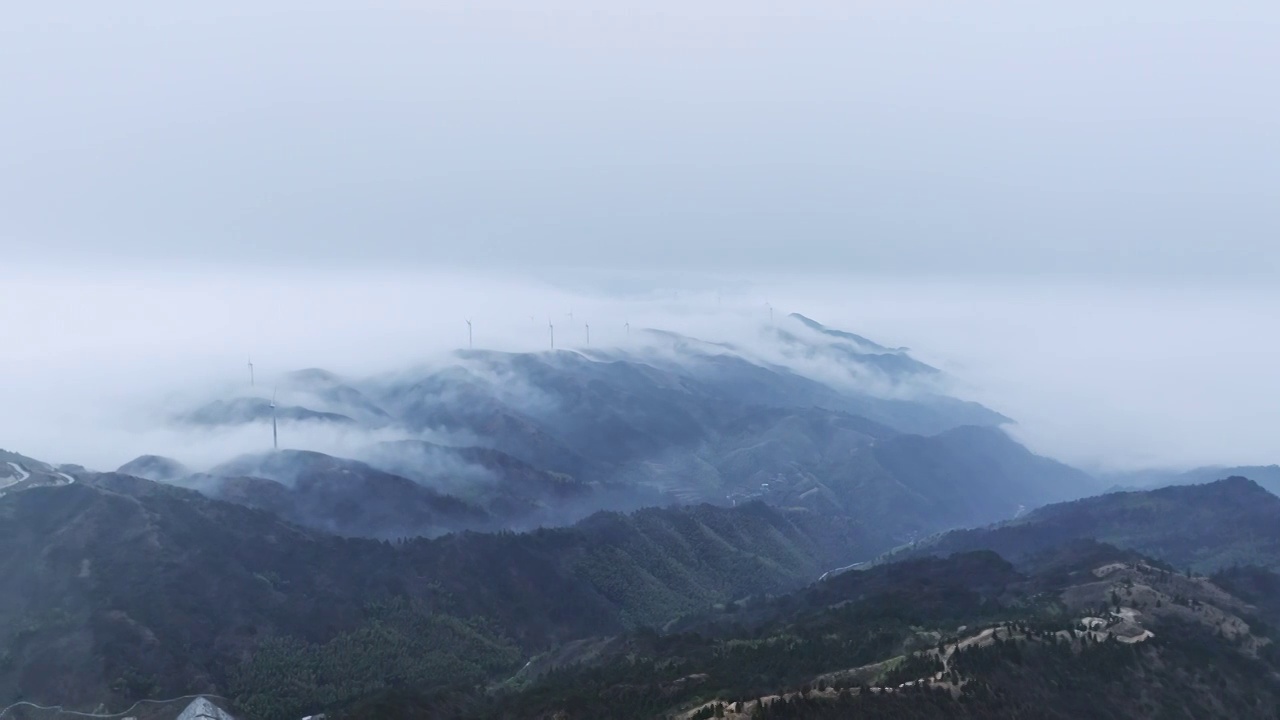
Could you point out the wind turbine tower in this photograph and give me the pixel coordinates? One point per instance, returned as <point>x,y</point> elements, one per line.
<point>588,333</point>
<point>251,371</point>
<point>552,329</point>
<point>470,345</point>
<point>275,433</point>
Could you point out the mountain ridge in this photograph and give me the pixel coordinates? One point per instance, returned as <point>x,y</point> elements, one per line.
<point>1205,527</point>
<point>143,589</point>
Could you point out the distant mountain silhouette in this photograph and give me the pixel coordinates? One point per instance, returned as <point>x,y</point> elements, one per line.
<point>247,409</point>
<point>154,467</point>
<point>1204,527</point>
<point>341,496</point>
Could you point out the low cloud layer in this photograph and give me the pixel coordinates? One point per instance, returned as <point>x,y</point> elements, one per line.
<point>95,364</point>
<point>329,185</point>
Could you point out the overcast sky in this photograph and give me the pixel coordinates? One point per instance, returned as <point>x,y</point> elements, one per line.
<point>1074,209</point>
<point>904,137</point>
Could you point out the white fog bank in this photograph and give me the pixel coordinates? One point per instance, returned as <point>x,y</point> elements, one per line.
<point>1103,376</point>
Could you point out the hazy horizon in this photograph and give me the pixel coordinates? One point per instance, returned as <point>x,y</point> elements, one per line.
<point>1072,210</point>
<point>1104,377</point>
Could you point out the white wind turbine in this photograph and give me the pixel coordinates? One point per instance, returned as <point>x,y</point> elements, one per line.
<point>275,432</point>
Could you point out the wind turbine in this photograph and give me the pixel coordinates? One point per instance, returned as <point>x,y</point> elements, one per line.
<point>251,371</point>
<point>469,343</point>
<point>588,333</point>
<point>275,433</point>
<point>552,328</point>
<point>766,304</point>
<point>627,325</point>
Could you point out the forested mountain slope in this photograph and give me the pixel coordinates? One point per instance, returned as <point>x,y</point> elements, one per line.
<point>1092,632</point>
<point>120,588</point>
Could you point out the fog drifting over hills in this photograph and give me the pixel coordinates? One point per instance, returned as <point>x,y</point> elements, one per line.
<point>188,185</point>
<point>1099,376</point>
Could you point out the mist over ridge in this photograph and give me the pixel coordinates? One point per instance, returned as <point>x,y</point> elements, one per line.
<point>1102,377</point>
<point>639,360</point>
